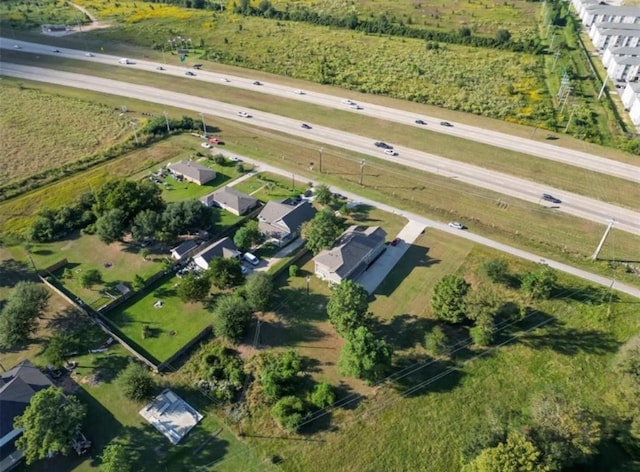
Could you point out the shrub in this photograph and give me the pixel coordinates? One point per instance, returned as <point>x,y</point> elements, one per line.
<point>293,270</point>
<point>136,382</point>
<point>436,342</point>
<point>288,413</point>
<point>323,395</point>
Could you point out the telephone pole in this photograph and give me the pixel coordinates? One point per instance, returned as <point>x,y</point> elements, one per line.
<point>604,237</point>
<point>204,126</point>
<point>320,151</point>
<point>135,134</point>
<point>166,119</point>
<point>362,164</point>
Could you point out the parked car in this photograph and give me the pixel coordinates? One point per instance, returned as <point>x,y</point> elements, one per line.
<point>243,269</point>
<point>251,259</point>
<point>206,145</point>
<point>215,141</point>
<point>244,114</point>
<point>305,126</point>
<point>447,124</point>
<point>456,225</point>
<point>298,92</point>
<point>390,152</point>
<point>551,198</point>
<point>257,82</point>
<point>190,74</point>
<point>420,122</point>
<point>395,242</point>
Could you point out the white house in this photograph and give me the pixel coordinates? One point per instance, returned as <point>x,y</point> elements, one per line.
<point>596,13</point>
<point>631,101</point>
<point>221,248</point>
<point>625,69</point>
<point>611,52</point>
<point>619,35</point>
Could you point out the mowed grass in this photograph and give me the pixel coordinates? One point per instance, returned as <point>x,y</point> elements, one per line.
<point>569,353</point>
<point>170,326</point>
<point>40,130</point>
<point>562,176</point>
<point>266,186</point>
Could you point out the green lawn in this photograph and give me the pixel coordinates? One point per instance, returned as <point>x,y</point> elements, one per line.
<point>171,326</point>
<point>266,186</point>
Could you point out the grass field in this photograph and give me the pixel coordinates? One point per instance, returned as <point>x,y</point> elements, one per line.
<point>32,14</point>
<point>266,186</point>
<point>41,130</point>
<point>569,354</point>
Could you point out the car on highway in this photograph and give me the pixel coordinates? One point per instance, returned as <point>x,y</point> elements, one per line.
<point>206,145</point>
<point>395,242</point>
<point>382,145</point>
<point>17,46</point>
<point>224,79</point>
<point>159,68</point>
<point>56,50</point>
<point>89,54</point>
<point>355,106</point>
<point>420,122</point>
<point>235,159</point>
<point>244,114</point>
<point>190,74</point>
<point>257,82</point>
<point>390,152</point>
<point>298,92</point>
<point>305,126</point>
<point>125,61</point>
<point>446,123</point>
<point>456,225</point>
<point>550,198</point>
<point>347,101</point>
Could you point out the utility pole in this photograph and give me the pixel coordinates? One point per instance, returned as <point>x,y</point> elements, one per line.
<point>604,237</point>
<point>166,119</point>
<point>320,151</point>
<point>362,164</point>
<point>565,100</point>
<point>204,126</point>
<point>556,56</point>
<point>135,134</point>
<point>293,182</point>
<point>604,84</point>
<point>573,110</point>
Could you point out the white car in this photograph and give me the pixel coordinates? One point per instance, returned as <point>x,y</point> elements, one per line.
<point>390,152</point>
<point>235,159</point>
<point>17,46</point>
<point>251,259</point>
<point>346,101</point>
<point>244,114</point>
<point>89,54</point>
<point>355,106</point>
<point>298,92</point>
<point>456,225</point>
<point>206,145</point>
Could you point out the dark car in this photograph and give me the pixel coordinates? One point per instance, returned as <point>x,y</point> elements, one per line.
<point>305,126</point>
<point>381,145</point>
<point>420,122</point>
<point>551,198</point>
<point>395,241</point>
<point>190,74</point>
<point>257,82</point>
<point>446,123</point>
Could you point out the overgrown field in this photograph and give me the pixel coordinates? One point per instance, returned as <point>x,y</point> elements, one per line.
<point>33,14</point>
<point>569,354</point>
<point>41,130</point>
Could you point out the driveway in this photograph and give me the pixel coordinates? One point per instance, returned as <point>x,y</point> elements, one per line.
<point>375,274</point>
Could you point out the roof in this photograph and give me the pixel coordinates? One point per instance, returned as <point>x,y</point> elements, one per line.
<point>625,50</point>
<point>284,218</point>
<point>619,29</point>
<point>184,247</point>
<point>17,386</point>
<point>351,248</point>
<point>171,416</point>
<point>193,170</point>
<point>235,199</point>
<point>626,60</point>
<point>613,10</point>
<point>221,248</point>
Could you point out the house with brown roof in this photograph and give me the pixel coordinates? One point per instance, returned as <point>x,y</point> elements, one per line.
<point>352,253</point>
<point>192,172</point>
<point>280,222</point>
<point>230,199</point>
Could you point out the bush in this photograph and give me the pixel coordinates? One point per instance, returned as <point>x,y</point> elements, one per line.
<point>323,395</point>
<point>278,373</point>
<point>288,413</point>
<point>436,342</point>
<point>219,159</point>
<point>90,277</point>
<point>136,382</point>
<point>293,270</point>
<point>497,270</point>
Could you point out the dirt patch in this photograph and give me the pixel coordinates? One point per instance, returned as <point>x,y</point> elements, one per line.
<point>92,380</point>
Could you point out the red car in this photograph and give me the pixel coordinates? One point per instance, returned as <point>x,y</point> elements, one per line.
<point>214,140</point>
<point>395,241</point>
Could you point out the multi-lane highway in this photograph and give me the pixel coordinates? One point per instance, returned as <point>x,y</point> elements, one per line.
<point>539,149</point>
<point>577,205</point>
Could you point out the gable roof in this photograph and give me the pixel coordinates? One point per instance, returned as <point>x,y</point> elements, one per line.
<point>18,385</point>
<point>183,248</point>
<point>193,170</point>
<point>351,248</point>
<point>284,218</point>
<point>235,199</point>
<point>224,247</point>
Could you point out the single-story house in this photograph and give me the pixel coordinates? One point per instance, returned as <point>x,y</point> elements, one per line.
<point>192,171</point>
<point>230,199</point>
<point>183,249</point>
<point>17,386</point>
<point>221,248</point>
<point>631,100</point>
<point>280,222</point>
<point>352,253</point>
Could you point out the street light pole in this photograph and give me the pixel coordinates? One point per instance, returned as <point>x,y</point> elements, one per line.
<point>166,119</point>
<point>362,164</point>
<point>320,151</point>
<point>204,126</point>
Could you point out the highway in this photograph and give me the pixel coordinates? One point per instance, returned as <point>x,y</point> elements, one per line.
<point>528,146</point>
<point>576,205</point>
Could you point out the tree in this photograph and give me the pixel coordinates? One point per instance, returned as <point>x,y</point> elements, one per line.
<point>293,270</point>
<point>90,277</point>
<point>482,302</point>
<point>225,272</point>
<point>348,307</point>
<point>219,159</point>
<point>497,270</point>
<point>278,373</point>
<point>483,331</point>
<point>193,289</point>
<point>517,454</point>
<point>136,382</point>
<point>258,291</point>
<point>186,217</point>
<point>50,422</point>
<point>247,236</point>
<point>321,232</point>
<point>232,315</point>
<point>111,226</point>
<point>18,318</point>
<point>566,433</point>
<point>436,342</point>
<point>138,282</point>
<point>288,413</point>
<point>115,458</point>
<point>365,357</point>
<point>503,36</point>
<point>58,346</point>
<point>448,299</point>
<point>323,194</point>
<point>146,224</point>
<point>128,196</point>
<point>539,284</point>
<point>323,395</point>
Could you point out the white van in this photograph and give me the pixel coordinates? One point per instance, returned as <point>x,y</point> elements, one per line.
<point>124,60</point>
<point>251,259</point>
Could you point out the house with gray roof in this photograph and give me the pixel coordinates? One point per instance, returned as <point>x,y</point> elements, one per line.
<point>222,248</point>
<point>280,222</point>
<point>352,253</point>
<point>192,172</point>
<point>17,386</point>
<point>183,250</point>
<point>230,199</point>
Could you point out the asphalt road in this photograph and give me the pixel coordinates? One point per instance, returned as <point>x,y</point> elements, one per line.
<point>412,217</point>
<point>577,205</point>
<point>539,149</point>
